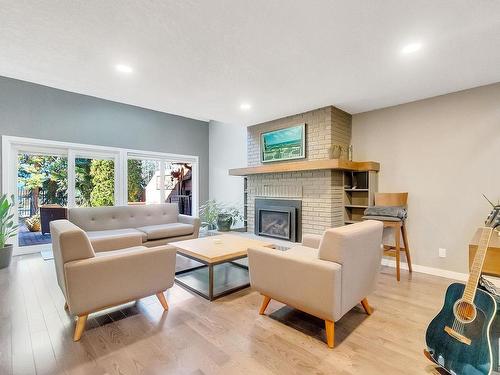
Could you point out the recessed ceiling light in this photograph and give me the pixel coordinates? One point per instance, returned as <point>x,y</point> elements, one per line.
<point>411,48</point>
<point>122,68</point>
<point>245,106</point>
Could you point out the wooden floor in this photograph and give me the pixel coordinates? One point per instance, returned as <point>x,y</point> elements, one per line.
<point>200,337</point>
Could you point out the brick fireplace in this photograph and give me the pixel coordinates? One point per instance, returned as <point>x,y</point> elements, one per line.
<point>320,192</point>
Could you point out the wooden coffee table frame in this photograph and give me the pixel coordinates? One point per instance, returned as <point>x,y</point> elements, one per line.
<point>211,296</point>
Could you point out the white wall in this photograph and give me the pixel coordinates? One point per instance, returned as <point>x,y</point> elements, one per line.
<point>445,151</point>
<point>227,149</point>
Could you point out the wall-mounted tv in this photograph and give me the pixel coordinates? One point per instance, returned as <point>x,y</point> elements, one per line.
<point>283,144</point>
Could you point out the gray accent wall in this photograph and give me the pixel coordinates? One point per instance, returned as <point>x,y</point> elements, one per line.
<point>35,111</point>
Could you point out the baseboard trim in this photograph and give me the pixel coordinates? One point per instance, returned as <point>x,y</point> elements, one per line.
<point>428,270</point>
<point>435,271</point>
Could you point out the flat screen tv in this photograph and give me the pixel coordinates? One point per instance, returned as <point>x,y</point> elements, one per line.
<point>283,144</point>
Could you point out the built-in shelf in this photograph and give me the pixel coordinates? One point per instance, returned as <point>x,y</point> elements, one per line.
<point>355,206</point>
<point>356,200</point>
<point>345,165</point>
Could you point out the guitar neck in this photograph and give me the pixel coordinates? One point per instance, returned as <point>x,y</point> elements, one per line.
<point>477,265</point>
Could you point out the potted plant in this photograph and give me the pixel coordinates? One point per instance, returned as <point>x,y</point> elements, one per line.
<point>227,216</point>
<point>7,229</point>
<point>208,214</point>
<point>216,215</point>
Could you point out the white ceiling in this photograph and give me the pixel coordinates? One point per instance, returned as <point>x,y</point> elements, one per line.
<point>202,59</point>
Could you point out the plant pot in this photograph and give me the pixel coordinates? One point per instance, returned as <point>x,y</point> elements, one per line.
<point>224,222</point>
<point>6,256</point>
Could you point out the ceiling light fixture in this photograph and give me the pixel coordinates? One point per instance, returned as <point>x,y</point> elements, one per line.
<point>245,106</point>
<point>122,68</point>
<point>411,48</point>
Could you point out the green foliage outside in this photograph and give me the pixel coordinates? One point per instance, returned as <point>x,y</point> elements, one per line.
<point>103,181</point>
<point>140,172</point>
<point>94,180</point>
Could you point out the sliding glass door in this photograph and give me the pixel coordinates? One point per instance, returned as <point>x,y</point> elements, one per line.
<point>42,183</point>
<point>47,177</point>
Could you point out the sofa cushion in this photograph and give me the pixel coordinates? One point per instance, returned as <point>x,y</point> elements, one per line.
<point>120,251</point>
<point>155,232</point>
<point>121,217</point>
<point>98,234</point>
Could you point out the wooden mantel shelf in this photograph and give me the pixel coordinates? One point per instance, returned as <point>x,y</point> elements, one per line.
<point>345,165</point>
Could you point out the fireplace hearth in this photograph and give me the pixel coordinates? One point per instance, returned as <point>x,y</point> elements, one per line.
<point>278,218</point>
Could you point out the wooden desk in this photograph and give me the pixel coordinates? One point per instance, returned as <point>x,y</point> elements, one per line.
<point>492,263</point>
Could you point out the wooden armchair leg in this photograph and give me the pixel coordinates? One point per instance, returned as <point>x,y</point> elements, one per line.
<point>163,301</point>
<point>80,327</point>
<point>366,306</point>
<point>265,303</point>
<point>330,333</point>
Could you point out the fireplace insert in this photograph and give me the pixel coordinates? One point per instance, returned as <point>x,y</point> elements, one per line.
<point>278,218</point>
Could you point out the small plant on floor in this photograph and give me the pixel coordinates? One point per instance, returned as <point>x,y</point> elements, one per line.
<point>219,215</point>
<point>33,223</point>
<point>209,212</point>
<point>227,216</point>
<point>8,229</point>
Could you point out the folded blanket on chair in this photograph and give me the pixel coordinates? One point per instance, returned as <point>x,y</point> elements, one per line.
<point>390,211</point>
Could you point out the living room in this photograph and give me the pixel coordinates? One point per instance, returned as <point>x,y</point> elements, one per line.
<point>250,187</point>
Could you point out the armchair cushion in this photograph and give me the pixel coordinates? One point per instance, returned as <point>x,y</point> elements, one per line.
<point>298,278</point>
<point>311,240</point>
<point>357,248</point>
<point>117,277</point>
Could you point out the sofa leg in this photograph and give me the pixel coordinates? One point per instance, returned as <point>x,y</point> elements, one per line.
<point>366,306</point>
<point>80,327</point>
<point>330,333</point>
<point>163,301</point>
<point>265,303</point>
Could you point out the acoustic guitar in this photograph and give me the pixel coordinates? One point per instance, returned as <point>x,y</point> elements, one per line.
<point>459,337</point>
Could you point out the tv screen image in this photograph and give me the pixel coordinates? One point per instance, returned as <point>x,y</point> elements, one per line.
<point>283,144</point>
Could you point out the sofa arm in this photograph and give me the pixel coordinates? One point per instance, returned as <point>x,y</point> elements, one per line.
<point>115,278</point>
<point>311,240</point>
<point>308,284</point>
<point>116,242</point>
<point>194,221</point>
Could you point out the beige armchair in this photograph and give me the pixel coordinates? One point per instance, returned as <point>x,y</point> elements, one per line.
<point>326,276</point>
<point>91,280</point>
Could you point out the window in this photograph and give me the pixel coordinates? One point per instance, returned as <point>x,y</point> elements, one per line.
<point>142,180</point>
<point>94,182</point>
<point>41,172</point>
<point>42,179</point>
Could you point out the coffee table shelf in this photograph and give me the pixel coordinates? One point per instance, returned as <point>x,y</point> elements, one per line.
<point>219,267</point>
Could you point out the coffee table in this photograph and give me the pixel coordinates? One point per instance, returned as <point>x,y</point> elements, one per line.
<point>221,266</point>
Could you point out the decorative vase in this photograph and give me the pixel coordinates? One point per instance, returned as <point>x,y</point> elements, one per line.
<point>335,152</point>
<point>6,256</point>
<point>224,222</point>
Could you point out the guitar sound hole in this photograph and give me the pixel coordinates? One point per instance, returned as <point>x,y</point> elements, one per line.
<point>465,312</point>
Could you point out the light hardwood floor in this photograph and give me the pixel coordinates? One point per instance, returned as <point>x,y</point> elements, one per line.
<point>227,336</point>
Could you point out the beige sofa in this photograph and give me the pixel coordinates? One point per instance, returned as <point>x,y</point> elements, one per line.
<point>92,281</point>
<point>326,276</point>
<point>155,224</point>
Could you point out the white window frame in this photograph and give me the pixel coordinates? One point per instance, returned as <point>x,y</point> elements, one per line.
<point>11,145</point>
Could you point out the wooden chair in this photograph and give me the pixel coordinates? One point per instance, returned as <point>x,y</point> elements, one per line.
<point>399,227</point>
